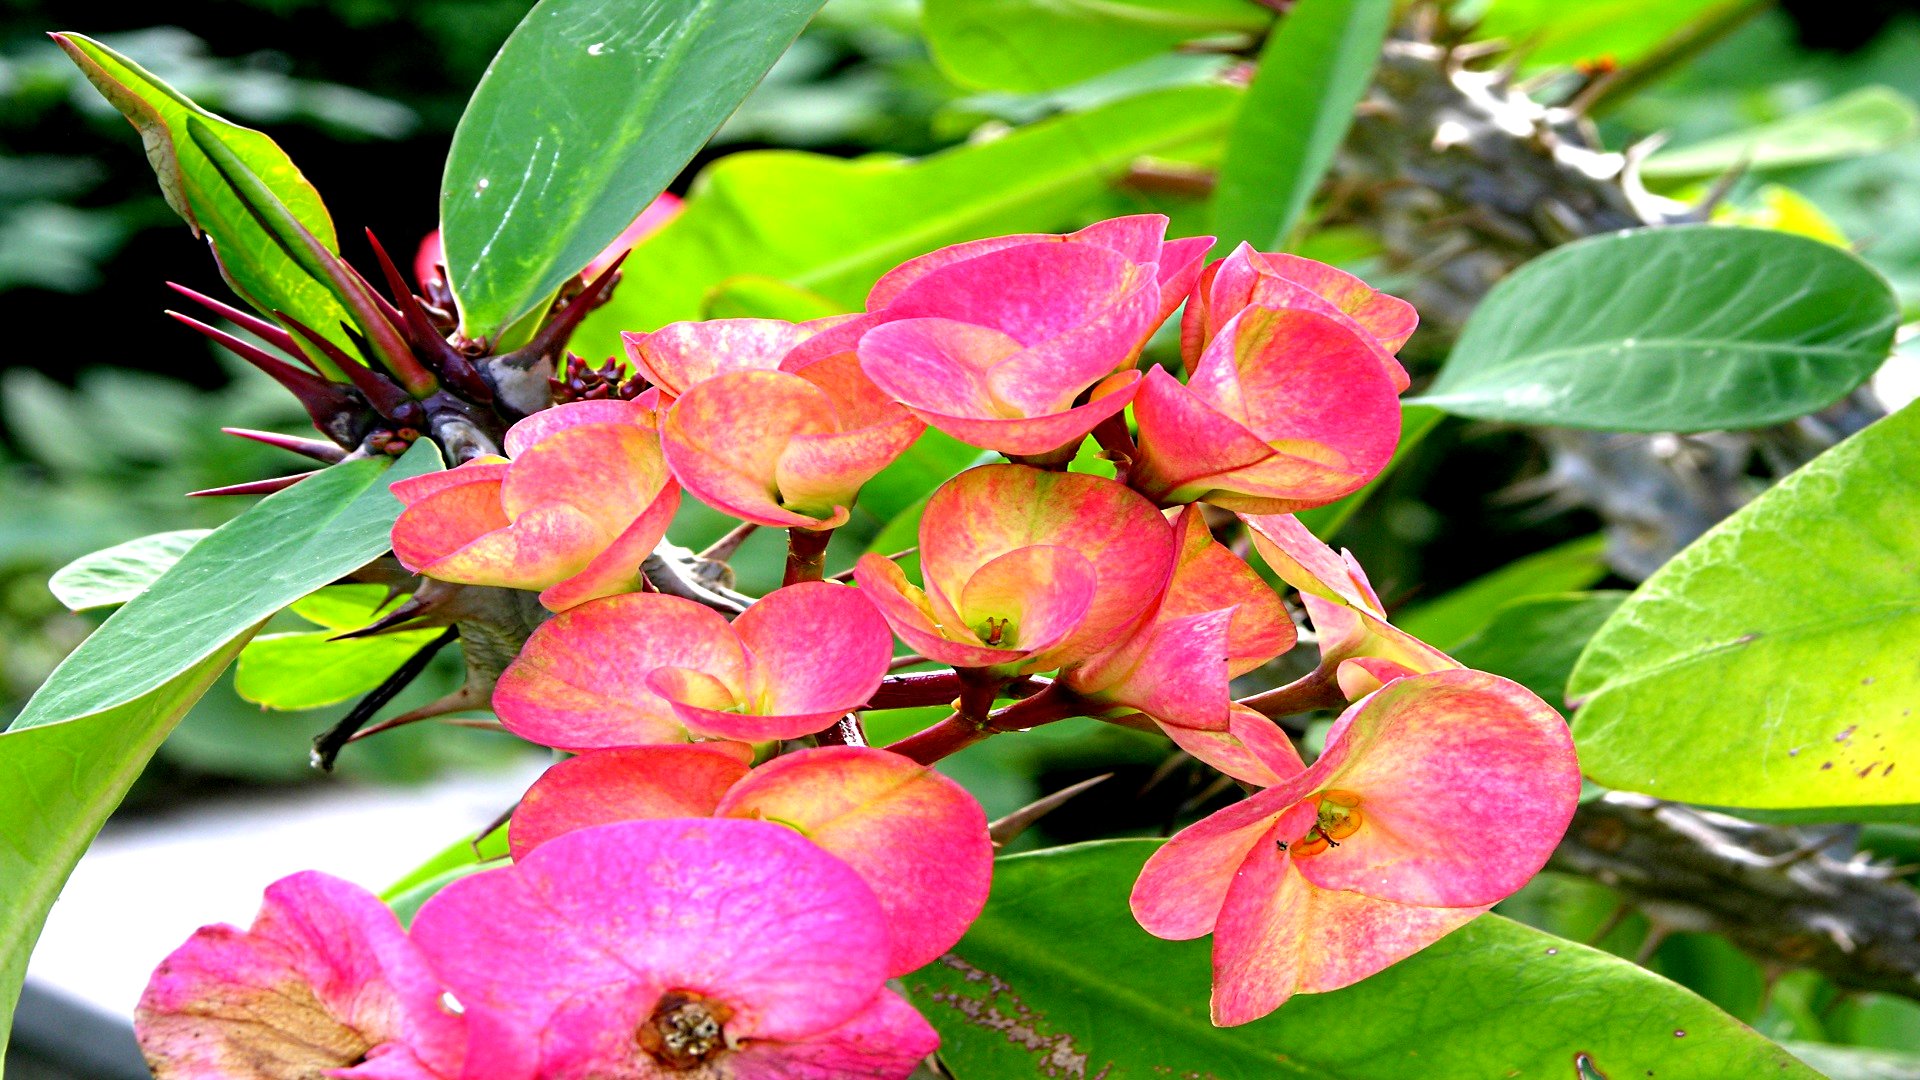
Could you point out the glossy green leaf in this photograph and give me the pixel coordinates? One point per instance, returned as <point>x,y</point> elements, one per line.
<point>1446,621</point>
<point>1017,44</point>
<point>1056,979</point>
<point>1416,423</point>
<point>1869,120</point>
<point>1687,328</point>
<point>455,861</point>
<point>751,296</point>
<point>1535,640</point>
<point>284,547</point>
<point>1313,71</point>
<point>62,780</point>
<point>1857,1062</point>
<point>257,267</point>
<point>588,112</point>
<point>1771,663</point>
<point>833,226</point>
<point>117,574</point>
<point>85,736</point>
<point>310,669</point>
<point>1556,33</point>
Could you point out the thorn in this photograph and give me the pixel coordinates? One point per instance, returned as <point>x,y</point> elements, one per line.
<point>553,336</point>
<point>1007,829</point>
<point>905,661</point>
<point>847,574</point>
<point>313,448</point>
<point>388,397</point>
<point>412,317</point>
<point>258,327</point>
<point>329,743</point>
<point>1723,186</point>
<point>722,549</point>
<point>254,487</point>
<point>334,408</point>
<point>460,700</point>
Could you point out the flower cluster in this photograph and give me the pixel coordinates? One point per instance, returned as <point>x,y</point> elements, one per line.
<point>673,908</point>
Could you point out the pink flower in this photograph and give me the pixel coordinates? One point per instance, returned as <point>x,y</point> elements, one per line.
<point>1437,796</point>
<point>1026,570</point>
<point>663,949</point>
<point>1215,620</point>
<point>1286,409</point>
<point>918,839</point>
<point>325,983</point>
<point>1248,278</point>
<point>664,208</point>
<point>647,668</point>
<point>584,499</point>
<point>774,422</point>
<point>1357,643</point>
<point>996,341</point>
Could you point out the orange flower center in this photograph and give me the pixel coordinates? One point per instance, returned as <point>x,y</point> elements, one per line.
<point>685,1030</point>
<point>1338,817</point>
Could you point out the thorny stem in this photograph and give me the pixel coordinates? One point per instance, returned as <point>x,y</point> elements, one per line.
<point>722,549</point>
<point>845,731</point>
<point>956,732</point>
<point>806,555</point>
<point>1314,690</point>
<point>327,747</point>
<point>914,690</point>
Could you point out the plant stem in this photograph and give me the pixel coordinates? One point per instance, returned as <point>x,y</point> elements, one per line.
<point>914,690</point>
<point>806,555</point>
<point>956,732</point>
<point>722,549</point>
<point>330,742</point>
<point>1314,690</point>
<point>845,731</point>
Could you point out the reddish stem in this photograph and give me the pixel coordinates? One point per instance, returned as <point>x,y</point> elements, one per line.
<point>914,690</point>
<point>845,731</point>
<point>956,732</point>
<point>1315,690</point>
<point>806,555</point>
<point>1117,441</point>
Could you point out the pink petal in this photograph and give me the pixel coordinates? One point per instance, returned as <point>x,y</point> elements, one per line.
<point>1356,936</point>
<point>1389,319</point>
<point>815,647</point>
<point>638,783</point>
<point>887,1041</point>
<point>604,920</point>
<point>679,355</point>
<point>917,838</point>
<point>528,432</point>
<point>1467,782</point>
<point>324,978</point>
<point>609,472</point>
<point>1049,375</point>
<point>446,514</point>
<point>1032,292</point>
<point>544,546</point>
<point>617,568</point>
<point>830,470</point>
<point>1186,443</point>
<point>1179,269</point>
<point>1044,592</point>
<point>580,682</point>
<point>938,365</point>
<point>1175,671</point>
<point>725,438</point>
<point>1039,435</point>
<point>1184,884</point>
<point>1140,237</point>
<point>907,611</point>
<point>1208,577</point>
<point>988,511</point>
<point>1253,749</point>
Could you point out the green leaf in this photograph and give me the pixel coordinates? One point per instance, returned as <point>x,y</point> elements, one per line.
<point>1535,640</point>
<point>1416,423</point>
<point>257,267</point>
<point>1686,328</point>
<point>1056,979</point>
<point>117,574</point>
<point>1446,621</point>
<point>586,114</point>
<point>455,861</point>
<point>61,782</point>
<point>284,547</point>
<point>1555,33</point>
<point>1857,1062</point>
<point>1771,663</point>
<point>1018,44</point>
<point>308,670</point>
<point>83,739</point>
<point>1313,71</point>
<point>1869,120</point>
<point>833,226</point>
<point>751,296</point>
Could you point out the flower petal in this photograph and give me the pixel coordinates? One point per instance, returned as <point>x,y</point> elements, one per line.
<point>617,568</point>
<point>679,355</point>
<point>580,682</point>
<point>1467,782</point>
<point>887,1040</point>
<point>815,647</point>
<point>454,509</point>
<point>725,438</point>
<point>607,918</point>
<point>1041,594</point>
<point>529,431</point>
<point>1183,885</point>
<point>908,612</point>
<point>632,784</point>
<point>917,838</point>
<point>1253,749</point>
<point>323,979</point>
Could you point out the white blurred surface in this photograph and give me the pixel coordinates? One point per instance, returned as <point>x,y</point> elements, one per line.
<point>146,885</point>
